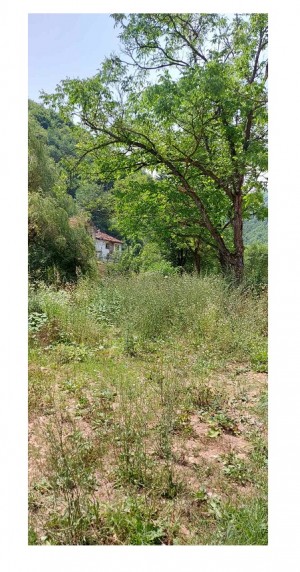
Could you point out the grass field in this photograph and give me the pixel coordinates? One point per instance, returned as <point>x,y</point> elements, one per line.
<point>147,412</point>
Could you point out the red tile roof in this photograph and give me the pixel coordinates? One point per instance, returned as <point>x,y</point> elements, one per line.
<point>104,236</point>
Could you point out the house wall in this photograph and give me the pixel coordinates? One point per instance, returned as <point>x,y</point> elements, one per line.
<point>102,250</point>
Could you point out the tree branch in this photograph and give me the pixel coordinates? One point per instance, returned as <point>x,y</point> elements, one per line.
<point>262,44</point>
<point>186,189</point>
<point>185,39</point>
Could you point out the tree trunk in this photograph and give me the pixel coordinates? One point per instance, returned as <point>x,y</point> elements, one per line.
<point>238,260</point>
<point>231,263</point>
<point>197,255</point>
<point>181,257</point>
<point>226,262</point>
<point>197,261</point>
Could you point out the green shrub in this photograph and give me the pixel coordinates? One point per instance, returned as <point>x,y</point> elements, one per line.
<point>59,249</point>
<point>36,321</point>
<point>68,312</point>
<point>256,265</point>
<point>144,259</point>
<point>106,305</point>
<point>236,469</point>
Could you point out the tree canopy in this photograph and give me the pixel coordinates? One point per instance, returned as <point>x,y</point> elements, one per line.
<point>188,101</point>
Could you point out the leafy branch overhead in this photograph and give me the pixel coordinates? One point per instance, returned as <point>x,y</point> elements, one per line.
<point>188,100</point>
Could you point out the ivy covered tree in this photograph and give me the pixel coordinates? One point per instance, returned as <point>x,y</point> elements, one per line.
<point>189,101</point>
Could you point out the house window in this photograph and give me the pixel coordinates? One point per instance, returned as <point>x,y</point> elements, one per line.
<point>107,244</point>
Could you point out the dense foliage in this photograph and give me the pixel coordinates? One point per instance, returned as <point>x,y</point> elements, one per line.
<point>203,126</point>
<point>59,245</point>
<point>62,138</point>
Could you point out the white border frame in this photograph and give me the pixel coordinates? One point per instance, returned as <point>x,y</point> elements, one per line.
<point>282,551</point>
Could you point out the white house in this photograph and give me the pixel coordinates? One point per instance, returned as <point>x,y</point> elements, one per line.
<point>106,245</point>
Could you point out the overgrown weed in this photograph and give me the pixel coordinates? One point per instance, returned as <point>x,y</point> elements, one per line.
<point>119,370</point>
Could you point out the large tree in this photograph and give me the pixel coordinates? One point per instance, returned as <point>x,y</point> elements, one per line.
<point>188,100</point>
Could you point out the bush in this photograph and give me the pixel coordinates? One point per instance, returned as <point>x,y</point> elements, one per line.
<point>151,260</point>
<point>69,311</point>
<point>59,250</point>
<point>133,522</point>
<point>36,321</point>
<point>142,259</point>
<point>256,265</point>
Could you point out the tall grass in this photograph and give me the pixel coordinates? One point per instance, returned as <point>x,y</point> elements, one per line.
<point>118,368</point>
<point>206,312</point>
<point>155,308</point>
